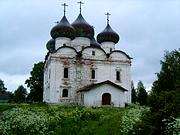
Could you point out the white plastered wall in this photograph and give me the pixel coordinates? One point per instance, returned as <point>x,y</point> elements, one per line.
<point>94,96</point>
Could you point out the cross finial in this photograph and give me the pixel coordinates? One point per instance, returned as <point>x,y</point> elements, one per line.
<point>64,5</point>
<point>108,14</point>
<point>80,3</point>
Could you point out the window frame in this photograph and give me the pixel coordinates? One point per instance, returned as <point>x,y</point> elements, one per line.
<point>118,76</point>
<point>65,93</point>
<point>66,72</point>
<point>93,74</point>
<point>93,53</point>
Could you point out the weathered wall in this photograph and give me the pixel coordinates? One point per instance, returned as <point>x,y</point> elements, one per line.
<point>94,96</point>
<point>80,72</point>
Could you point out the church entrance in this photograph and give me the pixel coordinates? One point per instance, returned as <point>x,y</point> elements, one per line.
<point>106,99</point>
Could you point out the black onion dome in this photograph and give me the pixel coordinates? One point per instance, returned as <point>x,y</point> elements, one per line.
<point>93,42</point>
<point>82,28</point>
<point>63,29</point>
<point>51,45</point>
<point>108,35</point>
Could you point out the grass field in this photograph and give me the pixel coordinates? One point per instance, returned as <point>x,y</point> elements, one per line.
<point>34,119</point>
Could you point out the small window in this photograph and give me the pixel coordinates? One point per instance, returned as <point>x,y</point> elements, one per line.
<point>93,53</point>
<point>92,74</point>
<point>65,72</point>
<point>65,93</point>
<point>118,75</point>
<point>110,50</point>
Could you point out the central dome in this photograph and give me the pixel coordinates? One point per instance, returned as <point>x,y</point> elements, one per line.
<point>82,28</point>
<point>63,29</point>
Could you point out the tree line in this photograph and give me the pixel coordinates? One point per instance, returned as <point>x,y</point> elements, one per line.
<point>20,95</point>
<point>163,99</point>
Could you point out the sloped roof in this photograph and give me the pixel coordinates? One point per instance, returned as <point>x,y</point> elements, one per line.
<point>90,87</point>
<point>121,52</point>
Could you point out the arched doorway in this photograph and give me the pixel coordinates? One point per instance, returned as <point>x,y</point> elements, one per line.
<point>106,99</point>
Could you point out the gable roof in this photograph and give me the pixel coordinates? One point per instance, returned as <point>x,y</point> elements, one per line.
<point>90,87</point>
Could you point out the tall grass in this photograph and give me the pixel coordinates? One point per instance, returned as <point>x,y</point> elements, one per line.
<point>44,119</point>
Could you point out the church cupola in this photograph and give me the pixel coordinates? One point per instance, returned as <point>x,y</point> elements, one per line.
<point>83,31</point>
<point>63,32</point>
<point>82,28</point>
<point>108,37</point>
<point>51,45</point>
<point>63,29</point>
<point>94,43</point>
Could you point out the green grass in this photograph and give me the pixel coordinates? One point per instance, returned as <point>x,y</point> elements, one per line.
<point>67,120</point>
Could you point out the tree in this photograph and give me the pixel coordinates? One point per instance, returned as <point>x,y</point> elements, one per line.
<point>20,94</point>
<point>35,82</point>
<point>164,100</point>
<point>141,94</point>
<point>2,87</point>
<point>10,96</point>
<point>168,82</point>
<point>133,93</point>
<point>169,77</point>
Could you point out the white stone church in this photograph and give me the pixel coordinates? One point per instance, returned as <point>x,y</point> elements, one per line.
<point>79,69</point>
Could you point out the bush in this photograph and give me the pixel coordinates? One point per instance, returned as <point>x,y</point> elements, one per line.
<point>23,121</point>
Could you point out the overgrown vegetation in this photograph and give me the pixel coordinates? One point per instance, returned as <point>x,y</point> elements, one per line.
<point>67,120</point>
<point>164,100</point>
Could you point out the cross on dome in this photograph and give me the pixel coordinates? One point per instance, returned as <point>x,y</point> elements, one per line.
<point>107,14</point>
<point>80,3</point>
<point>64,5</point>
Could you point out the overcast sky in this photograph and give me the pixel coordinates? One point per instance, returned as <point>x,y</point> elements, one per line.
<point>146,27</point>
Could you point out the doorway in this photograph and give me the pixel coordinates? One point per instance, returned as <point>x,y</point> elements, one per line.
<point>106,99</point>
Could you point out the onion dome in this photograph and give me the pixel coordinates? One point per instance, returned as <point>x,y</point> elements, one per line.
<point>82,28</point>
<point>63,29</point>
<point>50,45</point>
<point>108,35</point>
<point>93,42</point>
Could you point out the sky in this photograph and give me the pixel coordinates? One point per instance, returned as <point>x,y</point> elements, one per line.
<point>147,28</point>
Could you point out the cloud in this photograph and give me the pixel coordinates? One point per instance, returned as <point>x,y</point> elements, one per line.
<point>12,82</point>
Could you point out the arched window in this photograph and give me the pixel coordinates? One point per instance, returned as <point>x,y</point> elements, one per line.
<point>65,72</point>
<point>93,74</point>
<point>118,75</point>
<point>65,93</point>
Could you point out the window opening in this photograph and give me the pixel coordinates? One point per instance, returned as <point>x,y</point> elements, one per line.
<point>118,75</point>
<point>93,53</point>
<point>65,72</point>
<point>65,93</point>
<point>92,74</point>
